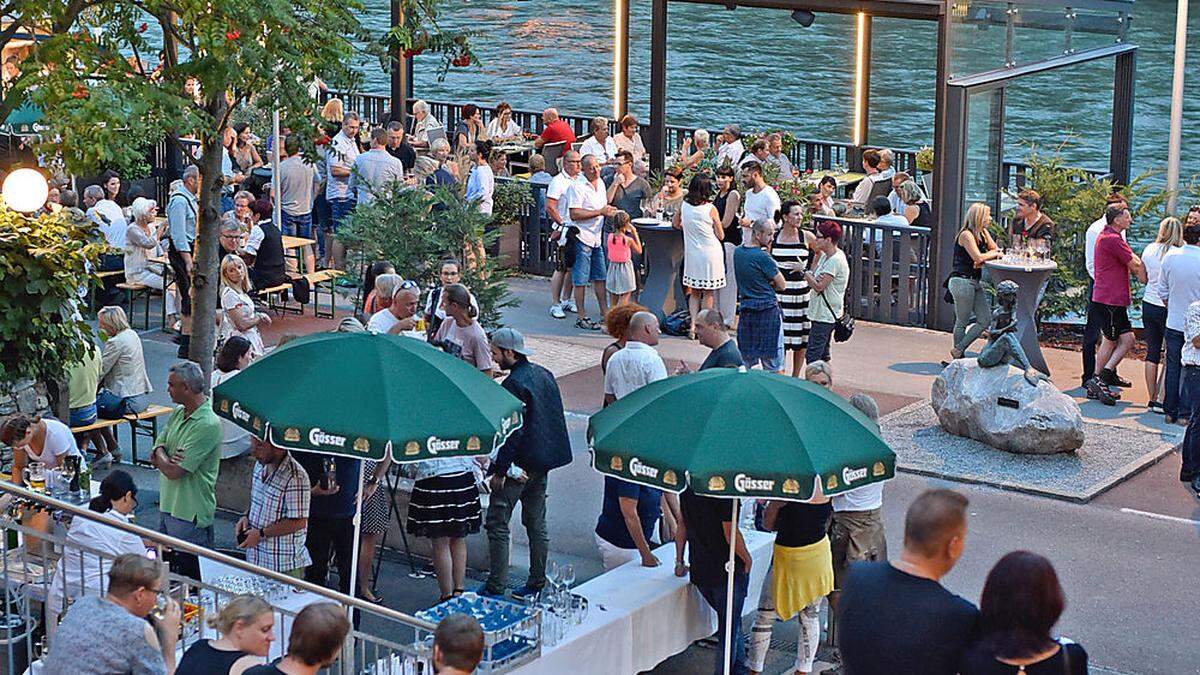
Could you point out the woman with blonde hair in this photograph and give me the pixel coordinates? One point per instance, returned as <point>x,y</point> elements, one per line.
<point>240,315</point>
<point>972,248</point>
<point>246,625</point>
<point>333,111</point>
<point>1154,306</point>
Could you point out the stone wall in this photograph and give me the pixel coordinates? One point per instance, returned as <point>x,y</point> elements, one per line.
<point>22,396</point>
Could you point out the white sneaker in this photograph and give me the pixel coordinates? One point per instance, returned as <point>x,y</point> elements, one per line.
<point>556,311</point>
<point>569,306</point>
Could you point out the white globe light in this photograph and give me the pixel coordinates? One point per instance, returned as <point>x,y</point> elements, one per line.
<point>25,190</point>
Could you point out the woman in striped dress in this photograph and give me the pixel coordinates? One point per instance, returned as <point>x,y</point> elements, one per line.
<point>791,251</point>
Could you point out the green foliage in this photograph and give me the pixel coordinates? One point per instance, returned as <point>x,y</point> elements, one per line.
<point>415,230</point>
<point>420,33</point>
<point>511,199</point>
<point>925,159</point>
<point>1073,199</point>
<point>43,265</point>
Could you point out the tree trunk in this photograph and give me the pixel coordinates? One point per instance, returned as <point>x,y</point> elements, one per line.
<point>206,277</point>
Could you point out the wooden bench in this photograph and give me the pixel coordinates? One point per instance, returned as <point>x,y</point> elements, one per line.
<point>324,280</point>
<point>132,291</point>
<point>143,424</point>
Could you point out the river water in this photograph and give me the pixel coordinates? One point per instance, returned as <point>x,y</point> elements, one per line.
<point>760,69</point>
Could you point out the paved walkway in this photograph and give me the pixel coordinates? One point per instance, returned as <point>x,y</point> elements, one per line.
<point>1126,560</point>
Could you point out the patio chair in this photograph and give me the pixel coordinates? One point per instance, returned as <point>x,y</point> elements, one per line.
<point>552,152</point>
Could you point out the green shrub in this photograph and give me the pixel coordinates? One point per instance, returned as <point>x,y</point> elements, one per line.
<point>415,230</point>
<point>44,262</point>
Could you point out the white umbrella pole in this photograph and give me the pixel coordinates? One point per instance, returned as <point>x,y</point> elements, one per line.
<point>362,469</point>
<point>1174,143</point>
<point>730,570</point>
<point>277,201</point>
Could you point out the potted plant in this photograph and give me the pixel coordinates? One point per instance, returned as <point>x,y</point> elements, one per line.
<point>925,166</point>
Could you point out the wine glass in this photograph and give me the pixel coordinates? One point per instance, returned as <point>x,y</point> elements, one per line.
<point>568,576</point>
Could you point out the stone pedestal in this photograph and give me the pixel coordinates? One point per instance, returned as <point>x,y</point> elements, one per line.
<point>1040,420</point>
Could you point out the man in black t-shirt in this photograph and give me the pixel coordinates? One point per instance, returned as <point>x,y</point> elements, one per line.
<point>710,331</point>
<point>707,524</point>
<point>894,617</point>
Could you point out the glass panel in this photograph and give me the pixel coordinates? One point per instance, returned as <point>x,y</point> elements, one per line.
<point>992,34</point>
<point>984,150</point>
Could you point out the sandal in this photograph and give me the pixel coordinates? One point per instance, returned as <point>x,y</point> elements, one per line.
<point>458,592</point>
<point>585,323</point>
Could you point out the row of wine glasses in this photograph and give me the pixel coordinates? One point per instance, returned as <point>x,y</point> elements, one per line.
<point>561,610</point>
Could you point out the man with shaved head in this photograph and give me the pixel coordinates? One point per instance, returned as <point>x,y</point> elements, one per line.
<point>555,129</point>
<point>894,616</point>
<point>630,511</point>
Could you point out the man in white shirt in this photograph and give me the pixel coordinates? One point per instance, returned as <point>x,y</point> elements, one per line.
<point>1091,330</point>
<point>398,315</point>
<point>1179,287</point>
<point>758,153</point>
<point>375,171</point>
<point>775,156</point>
<point>1189,471</point>
<point>588,207</point>
<point>637,364</point>
<point>761,201</point>
<point>600,144</point>
<point>872,164</point>
<point>729,146</point>
<point>339,160</point>
<point>561,233</point>
<point>107,216</point>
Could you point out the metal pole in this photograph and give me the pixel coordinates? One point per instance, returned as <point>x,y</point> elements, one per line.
<point>1173,147</point>
<point>362,469</point>
<point>620,58</point>
<point>656,141</point>
<point>276,197</point>
<point>730,571</point>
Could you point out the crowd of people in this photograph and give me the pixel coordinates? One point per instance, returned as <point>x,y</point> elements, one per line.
<point>790,273</point>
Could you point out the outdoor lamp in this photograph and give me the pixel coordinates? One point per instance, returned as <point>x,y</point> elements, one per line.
<point>25,190</point>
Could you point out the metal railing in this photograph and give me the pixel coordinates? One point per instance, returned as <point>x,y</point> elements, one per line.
<point>889,271</point>
<point>27,577</point>
<point>806,154</point>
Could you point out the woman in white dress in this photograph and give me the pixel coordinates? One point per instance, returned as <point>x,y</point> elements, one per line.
<point>142,242</point>
<point>703,255</point>
<point>240,316</point>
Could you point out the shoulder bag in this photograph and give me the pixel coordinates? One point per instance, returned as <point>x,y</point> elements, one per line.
<point>843,326</point>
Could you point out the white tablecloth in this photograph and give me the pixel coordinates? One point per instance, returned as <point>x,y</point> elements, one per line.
<point>640,616</point>
<point>293,603</point>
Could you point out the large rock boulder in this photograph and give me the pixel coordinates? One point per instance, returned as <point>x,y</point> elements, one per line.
<point>1045,421</point>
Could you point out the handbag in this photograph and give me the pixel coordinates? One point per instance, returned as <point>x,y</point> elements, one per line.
<point>843,326</point>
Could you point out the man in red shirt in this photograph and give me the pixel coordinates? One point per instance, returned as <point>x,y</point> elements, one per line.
<point>555,129</point>
<point>1114,261</point>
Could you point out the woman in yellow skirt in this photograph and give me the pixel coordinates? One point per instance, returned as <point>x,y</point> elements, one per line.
<point>800,577</point>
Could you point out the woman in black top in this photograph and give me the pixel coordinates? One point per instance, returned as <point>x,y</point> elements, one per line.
<point>247,627</point>
<point>916,209</point>
<point>973,247</point>
<point>800,577</point>
<point>1021,602</point>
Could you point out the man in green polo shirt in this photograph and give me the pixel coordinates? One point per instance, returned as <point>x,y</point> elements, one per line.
<point>188,455</point>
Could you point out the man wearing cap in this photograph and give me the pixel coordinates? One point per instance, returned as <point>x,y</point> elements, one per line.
<point>518,473</point>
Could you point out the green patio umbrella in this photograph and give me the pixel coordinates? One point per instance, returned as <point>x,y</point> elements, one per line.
<point>788,435</point>
<point>362,395</point>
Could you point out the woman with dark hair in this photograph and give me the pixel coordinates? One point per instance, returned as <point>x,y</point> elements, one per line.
<point>728,200</point>
<point>111,182</point>
<point>38,439</point>
<point>81,571</point>
<point>243,152</point>
<point>703,255</point>
<point>822,199</point>
<point>791,250</point>
<point>370,300</point>
<point>470,129</point>
<point>671,195</point>
<point>1021,602</point>
<point>828,281</point>
<point>234,355</point>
